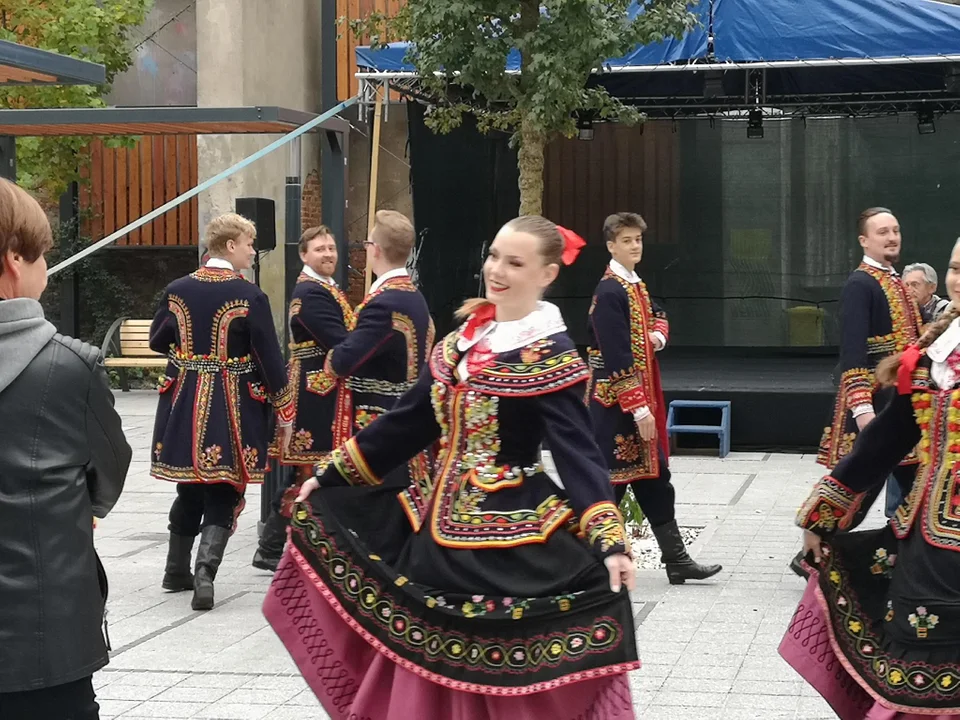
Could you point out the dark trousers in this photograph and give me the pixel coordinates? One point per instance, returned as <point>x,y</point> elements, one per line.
<point>71,701</point>
<point>287,475</point>
<point>199,505</point>
<point>656,496</point>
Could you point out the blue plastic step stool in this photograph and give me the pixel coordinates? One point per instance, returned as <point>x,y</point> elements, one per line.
<point>722,430</point>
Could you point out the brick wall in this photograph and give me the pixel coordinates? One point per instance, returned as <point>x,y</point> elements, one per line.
<point>310,202</point>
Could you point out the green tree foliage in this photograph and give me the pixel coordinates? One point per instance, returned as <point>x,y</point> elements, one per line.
<point>460,48</point>
<point>94,30</point>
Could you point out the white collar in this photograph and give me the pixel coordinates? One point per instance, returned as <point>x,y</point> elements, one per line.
<point>544,321</point>
<point>941,348</point>
<point>620,271</point>
<point>873,263</point>
<point>310,272</point>
<point>215,262</point>
<point>381,279</point>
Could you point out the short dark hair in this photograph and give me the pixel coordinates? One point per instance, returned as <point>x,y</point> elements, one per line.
<point>24,227</point>
<point>618,221</point>
<point>312,233</point>
<point>867,214</point>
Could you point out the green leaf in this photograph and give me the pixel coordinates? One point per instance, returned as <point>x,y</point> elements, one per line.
<point>94,30</point>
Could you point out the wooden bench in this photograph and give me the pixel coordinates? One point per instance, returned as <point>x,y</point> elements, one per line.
<point>129,342</point>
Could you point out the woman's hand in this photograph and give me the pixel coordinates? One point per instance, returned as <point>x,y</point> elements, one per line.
<point>308,487</point>
<point>622,571</point>
<point>811,543</point>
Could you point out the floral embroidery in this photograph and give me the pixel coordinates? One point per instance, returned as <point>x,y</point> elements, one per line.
<point>535,351</point>
<point>157,449</point>
<point>251,457</point>
<point>602,526</point>
<point>258,391</point>
<point>626,449</point>
<point>210,274</point>
<point>164,383</point>
<point>319,382</point>
<point>883,563</point>
<point>830,506</point>
<point>211,456</point>
<point>922,621</point>
<point>374,605</point>
<point>301,441</point>
<point>364,417</point>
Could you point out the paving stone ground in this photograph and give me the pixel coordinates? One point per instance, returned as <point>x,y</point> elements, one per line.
<point>709,650</point>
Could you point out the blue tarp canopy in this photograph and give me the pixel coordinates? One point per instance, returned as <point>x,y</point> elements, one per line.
<point>776,33</point>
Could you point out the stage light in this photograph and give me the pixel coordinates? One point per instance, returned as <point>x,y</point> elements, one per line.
<point>584,128</point>
<point>755,125</point>
<point>925,124</point>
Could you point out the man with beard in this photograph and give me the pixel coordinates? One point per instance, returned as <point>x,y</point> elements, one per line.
<point>878,317</point>
<point>320,317</point>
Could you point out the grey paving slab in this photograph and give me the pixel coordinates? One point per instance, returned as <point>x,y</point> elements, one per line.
<point>709,650</point>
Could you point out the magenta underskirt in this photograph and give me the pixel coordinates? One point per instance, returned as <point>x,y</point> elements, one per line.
<point>355,681</point>
<point>809,648</point>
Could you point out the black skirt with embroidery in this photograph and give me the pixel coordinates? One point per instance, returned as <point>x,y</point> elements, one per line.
<point>893,607</point>
<point>530,617</point>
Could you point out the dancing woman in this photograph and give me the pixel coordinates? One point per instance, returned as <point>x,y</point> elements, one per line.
<point>877,632</point>
<point>492,592</point>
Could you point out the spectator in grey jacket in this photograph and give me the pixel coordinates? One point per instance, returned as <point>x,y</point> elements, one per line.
<point>921,280</point>
<point>63,461</point>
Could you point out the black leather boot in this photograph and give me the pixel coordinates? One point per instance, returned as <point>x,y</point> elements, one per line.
<point>177,575</point>
<point>272,540</point>
<point>213,542</point>
<point>680,566</point>
<point>797,566</point>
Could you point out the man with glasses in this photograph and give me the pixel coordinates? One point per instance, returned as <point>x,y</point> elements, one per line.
<point>390,343</point>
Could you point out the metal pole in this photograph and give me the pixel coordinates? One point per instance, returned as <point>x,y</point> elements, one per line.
<point>70,284</point>
<point>193,192</point>
<point>8,157</point>
<point>374,177</point>
<point>333,147</point>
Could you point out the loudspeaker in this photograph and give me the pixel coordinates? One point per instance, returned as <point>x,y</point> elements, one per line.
<point>262,212</point>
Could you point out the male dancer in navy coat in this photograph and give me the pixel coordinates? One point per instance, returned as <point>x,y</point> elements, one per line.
<point>320,317</point>
<point>878,317</point>
<point>224,377</point>
<point>626,401</point>
<point>383,355</point>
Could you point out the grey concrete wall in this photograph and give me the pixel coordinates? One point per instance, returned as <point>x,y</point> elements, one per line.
<point>252,52</point>
<point>164,69</point>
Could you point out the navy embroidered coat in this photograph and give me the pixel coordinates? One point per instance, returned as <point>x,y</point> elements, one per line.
<point>320,317</point>
<point>380,360</point>
<point>877,318</point>
<point>224,374</point>
<point>625,376</point>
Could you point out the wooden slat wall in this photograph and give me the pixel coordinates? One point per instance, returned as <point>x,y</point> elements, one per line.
<point>347,85</point>
<point>621,169</point>
<point>127,183</point>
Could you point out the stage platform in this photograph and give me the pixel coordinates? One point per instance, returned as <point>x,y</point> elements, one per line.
<point>781,401</point>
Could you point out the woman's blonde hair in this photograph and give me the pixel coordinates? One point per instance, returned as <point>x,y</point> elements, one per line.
<point>24,227</point>
<point>550,245</point>
<point>228,226</point>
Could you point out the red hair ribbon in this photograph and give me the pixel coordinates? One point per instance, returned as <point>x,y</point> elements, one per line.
<point>908,363</point>
<point>478,318</point>
<point>571,245</point>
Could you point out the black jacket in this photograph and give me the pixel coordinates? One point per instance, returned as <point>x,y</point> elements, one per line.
<point>63,460</point>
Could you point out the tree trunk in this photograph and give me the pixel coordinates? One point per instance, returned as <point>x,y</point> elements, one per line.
<point>530,163</point>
